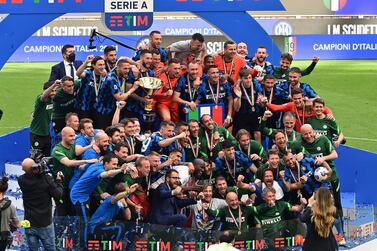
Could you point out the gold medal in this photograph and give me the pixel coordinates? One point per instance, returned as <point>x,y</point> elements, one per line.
<point>239,232</point>
<point>216,107</point>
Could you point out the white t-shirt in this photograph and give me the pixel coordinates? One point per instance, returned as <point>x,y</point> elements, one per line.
<point>181,50</point>
<point>222,247</point>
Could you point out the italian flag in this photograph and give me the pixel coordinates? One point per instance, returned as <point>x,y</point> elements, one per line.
<point>335,5</point>
<point>216,112</point>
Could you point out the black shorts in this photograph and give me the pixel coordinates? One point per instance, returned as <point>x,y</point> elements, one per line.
<point>42,143</point>
<point>249,122</point>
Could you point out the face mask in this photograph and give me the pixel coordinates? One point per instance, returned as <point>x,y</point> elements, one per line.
<point>71,57</point>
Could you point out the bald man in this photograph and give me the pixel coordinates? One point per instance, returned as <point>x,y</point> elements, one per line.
<point>242,50</point>
<point>98,149</point>
<point>65,161</point>
<point>37,190</point>
<point>323,150</point>
<point>235,217</point>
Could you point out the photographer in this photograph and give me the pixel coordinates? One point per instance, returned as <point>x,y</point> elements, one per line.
<point>37,189</point>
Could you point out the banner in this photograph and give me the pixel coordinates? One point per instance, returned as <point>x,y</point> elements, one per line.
<point>333,46</point>
<point>216,112</point>
<point>48,49</point>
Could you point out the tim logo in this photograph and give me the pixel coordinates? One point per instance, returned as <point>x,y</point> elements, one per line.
<point>66,244</point>
<point>335,5</point>
<point>35,1</point>
<point>128,15</point>
<point>283,29</point>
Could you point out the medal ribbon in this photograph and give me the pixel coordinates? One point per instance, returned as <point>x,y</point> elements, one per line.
<point>251,102</point>
<point>231,67</point>
<point>194,150</point>
<point>239,218</point>
<point>303,115</point>
<point>192,94</point>
<point>216,100</point>
<point>97,86</point>
<point>209,142</point>
<point>271,94</point>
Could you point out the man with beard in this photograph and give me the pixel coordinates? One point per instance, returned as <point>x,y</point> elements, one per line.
<point>251,148</point>
<point>260,64</point>
<point>90,84</point>
<point>110,56</point>
<point>164,141</point>
<point>40,125</point>
<point>284,90</point>
<point>211,137</point>
<point>164,103</point>
<point>289,122</point>
<point>247,110</point>
<point>188,92</point>
<point>110,92</point>
<point>201,220</point>
<point>166,203</point>
<point>282,145</point>
<point>229,63</point>
<point>98,149</point>
<point>192,148</point>
<point>65,162</point>
<point>218,93</point>
<point>155,41</point>
<point>234,163</point>
<point>157,66</point>
<point>299,107</point>
<point>64,102</point>
<point>235,217</point>
<point>68,66</point>
<point>84,139</point>
<point>135,105</point>
<point>281,72</point>
<point>182,49</point>
<point>324,126</point>
<point>114,137</point>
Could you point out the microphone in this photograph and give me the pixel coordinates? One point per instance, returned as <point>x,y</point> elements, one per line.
<point>91,40</point>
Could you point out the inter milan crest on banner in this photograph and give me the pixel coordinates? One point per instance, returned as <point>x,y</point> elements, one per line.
<point>128,15</point>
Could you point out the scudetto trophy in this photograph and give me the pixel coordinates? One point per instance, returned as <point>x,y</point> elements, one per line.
<point>150,85</point>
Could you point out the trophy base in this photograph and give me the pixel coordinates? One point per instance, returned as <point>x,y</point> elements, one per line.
<point>149,118</point>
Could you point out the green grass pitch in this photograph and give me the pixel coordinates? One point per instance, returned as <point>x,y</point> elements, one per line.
<point>348,88</point>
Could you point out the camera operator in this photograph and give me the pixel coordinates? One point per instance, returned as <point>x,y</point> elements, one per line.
<point>40,125</point>
<point>38,187</point>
